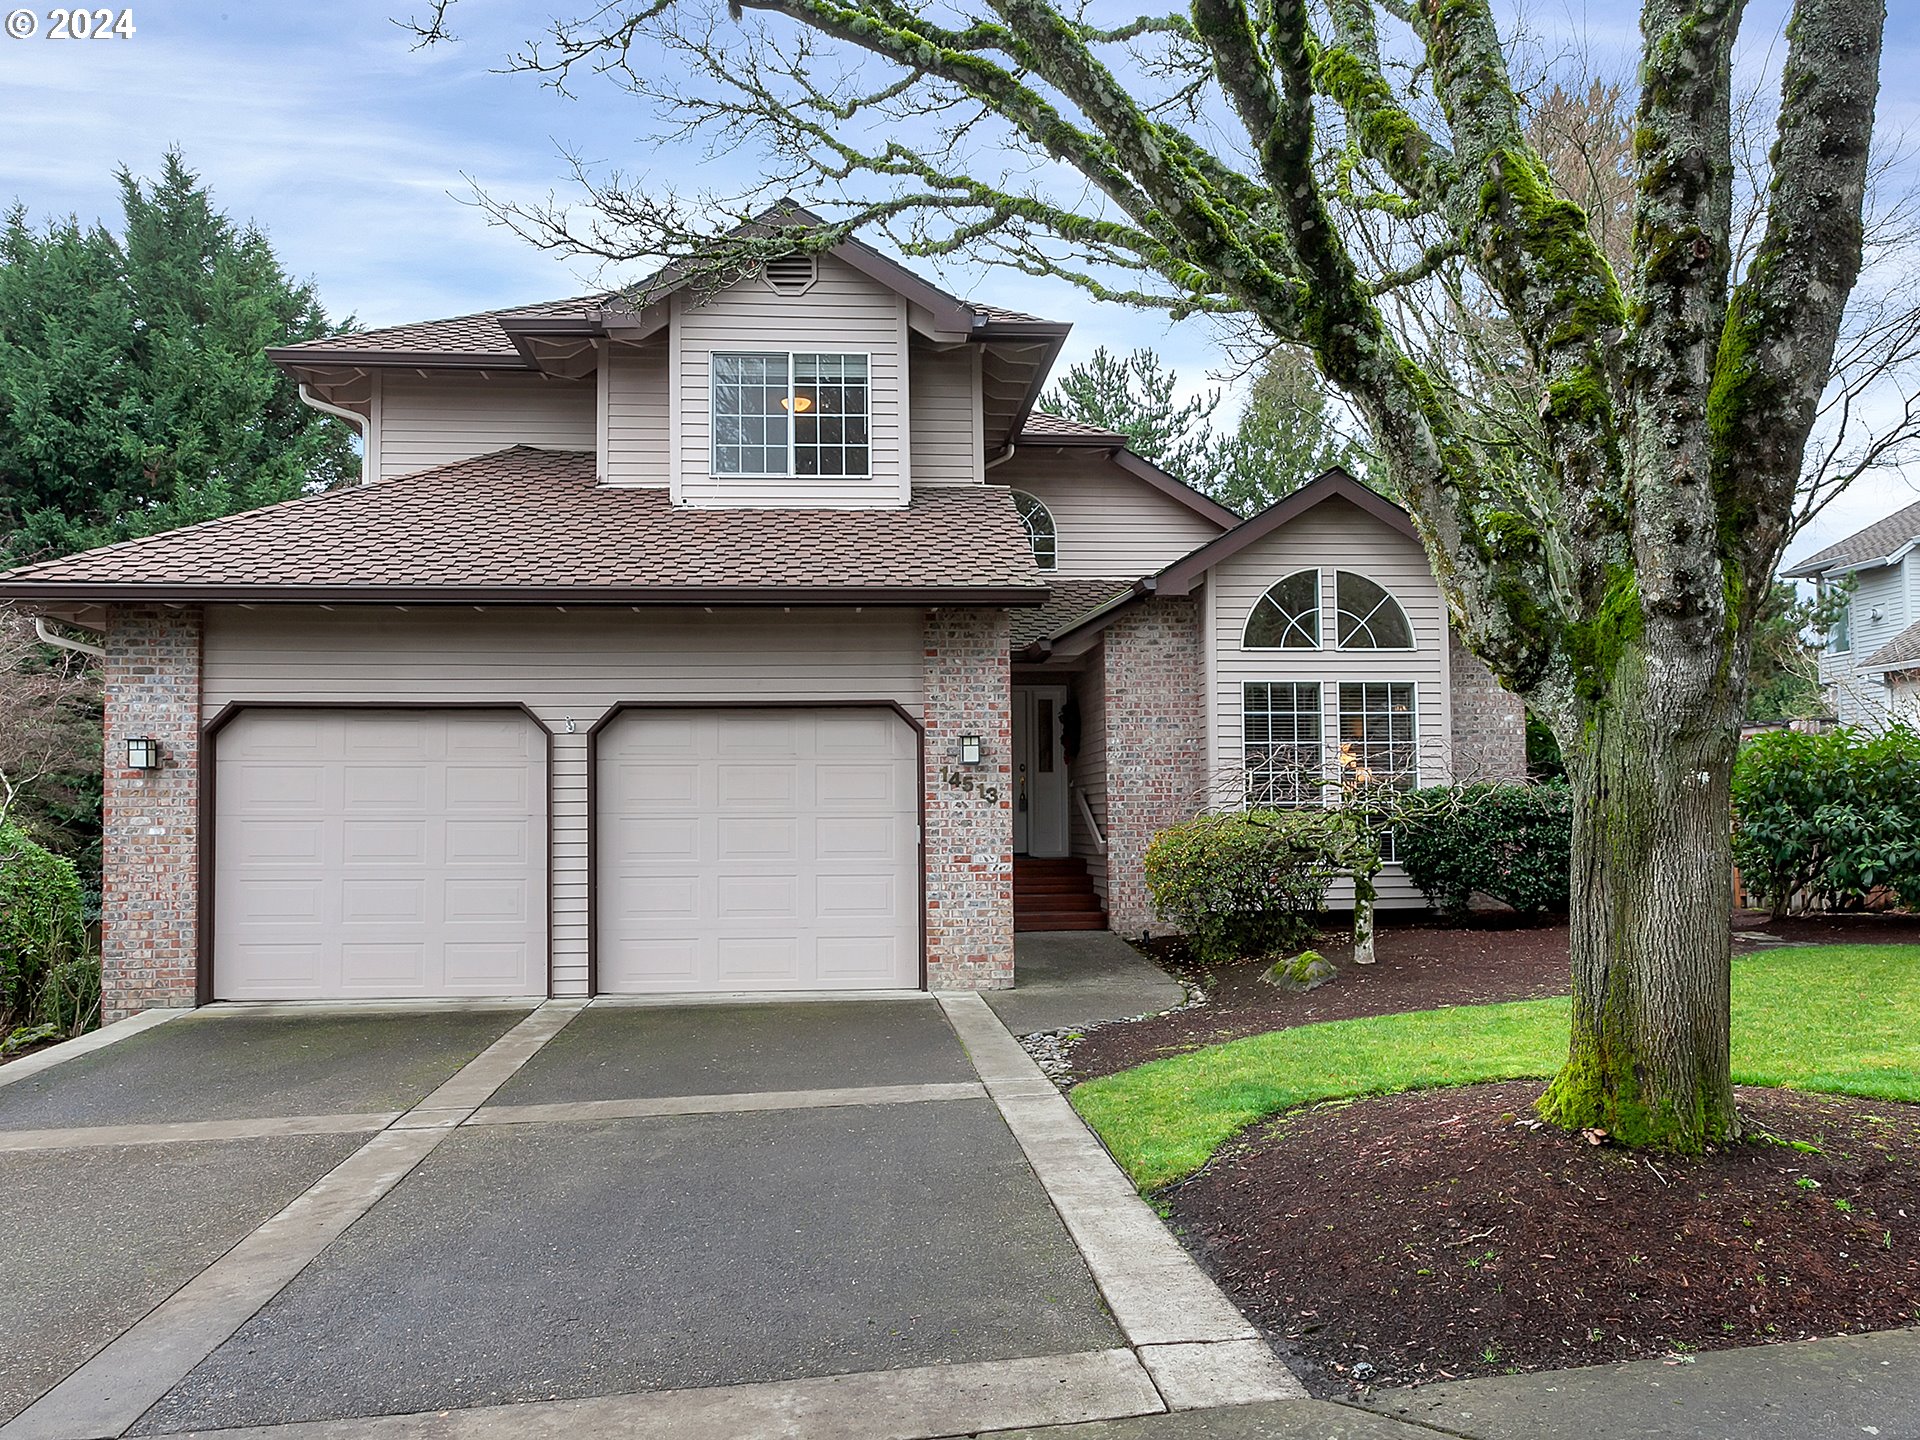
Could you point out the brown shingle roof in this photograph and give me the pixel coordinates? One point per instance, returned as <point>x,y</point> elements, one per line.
<point>1879,541</point>
<point>1072,602</point>
<point>477,335</point>
<point>1042,426</point>
<point>526,524</point>
<point>1902,651</point>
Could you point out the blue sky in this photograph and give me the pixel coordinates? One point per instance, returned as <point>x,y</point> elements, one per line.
<point>324,126</point>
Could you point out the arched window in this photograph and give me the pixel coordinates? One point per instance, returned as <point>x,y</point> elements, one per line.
<point>1287,616</point>
<point>1366,617</point>
<point>1040,532</point>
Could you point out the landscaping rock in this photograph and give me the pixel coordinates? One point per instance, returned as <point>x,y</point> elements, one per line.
<point>1308,970</point>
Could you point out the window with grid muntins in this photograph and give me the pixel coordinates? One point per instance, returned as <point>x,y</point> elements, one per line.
<point>800,414</point>
<point>1280,734</point>
<point>1380,735</point>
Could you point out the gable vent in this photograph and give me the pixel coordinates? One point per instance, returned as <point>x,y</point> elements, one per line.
<point>791,274</point>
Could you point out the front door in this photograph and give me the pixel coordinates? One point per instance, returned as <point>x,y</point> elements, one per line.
<point>1039,771</point>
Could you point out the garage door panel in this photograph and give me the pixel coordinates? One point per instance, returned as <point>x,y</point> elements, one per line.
<point>794,857</point>
<point>374,865</point>
<point>763,837</point>
<point>383,901</point>
<point>278,842</point>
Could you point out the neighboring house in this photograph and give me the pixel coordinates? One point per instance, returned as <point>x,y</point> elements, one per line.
<point>722,642</point>
<point>1870,667</point>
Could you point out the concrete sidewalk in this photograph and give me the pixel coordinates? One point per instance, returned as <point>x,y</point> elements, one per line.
<point>1071,978</point>
<point>1839,1389</point>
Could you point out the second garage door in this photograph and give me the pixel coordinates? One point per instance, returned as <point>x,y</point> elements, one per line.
<point>757,850</point>
<point>379,853</point>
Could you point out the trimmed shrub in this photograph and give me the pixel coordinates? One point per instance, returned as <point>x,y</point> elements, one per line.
<point>1247,883</point>
<point>1830,818</point>
<point>1513,842</point>
<point>42,922</point>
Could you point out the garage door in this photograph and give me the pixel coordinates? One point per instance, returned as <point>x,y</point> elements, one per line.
<point>757,850</point>
<point>374,853</point>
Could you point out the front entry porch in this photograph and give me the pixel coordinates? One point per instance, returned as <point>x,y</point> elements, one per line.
<point>1052,889</point>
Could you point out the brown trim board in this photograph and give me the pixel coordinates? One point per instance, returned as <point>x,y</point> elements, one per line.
<point>209,769</point>
<point>619,708</point>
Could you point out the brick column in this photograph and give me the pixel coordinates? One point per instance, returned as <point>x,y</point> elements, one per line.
<point>151,841</point>
<point>1156,686</point>
<point>1489,724</point>
<point>969,826</point>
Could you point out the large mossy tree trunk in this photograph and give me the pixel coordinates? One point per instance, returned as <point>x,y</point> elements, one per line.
<point>1652,893</point>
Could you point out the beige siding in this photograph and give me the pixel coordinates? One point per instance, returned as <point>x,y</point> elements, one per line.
<point>638,435</point>
<point>1088,771</point>
<point>945,416</point>
<point>1108,522</point>
<point>428,422</point>
<point>567,667</point>
<point>1334,535</point>
<point>844,313</point>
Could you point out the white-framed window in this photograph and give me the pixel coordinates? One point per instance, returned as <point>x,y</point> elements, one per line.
<point>1380,739</point>
<point>1287,617</point>
<point>1041,534</point>
<point>1280,732</point>
<point>1366,616</point>
<point>791,413</point>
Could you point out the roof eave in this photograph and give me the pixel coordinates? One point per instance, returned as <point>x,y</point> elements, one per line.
<point>229,592</point>
<point>295,358</point>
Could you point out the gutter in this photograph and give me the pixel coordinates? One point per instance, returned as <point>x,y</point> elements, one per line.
<point>352,417</point>
<point>79,647</point>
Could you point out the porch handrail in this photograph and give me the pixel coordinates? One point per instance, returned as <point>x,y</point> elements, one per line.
<point>1093,826</point>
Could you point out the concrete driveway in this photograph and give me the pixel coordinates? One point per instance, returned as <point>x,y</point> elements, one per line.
<point>819,1217</point>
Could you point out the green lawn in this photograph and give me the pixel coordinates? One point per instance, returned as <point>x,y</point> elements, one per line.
<point>1842,1018</point>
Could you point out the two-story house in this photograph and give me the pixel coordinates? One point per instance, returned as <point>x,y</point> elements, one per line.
<point>1870,666</point>
<point>718,642</point>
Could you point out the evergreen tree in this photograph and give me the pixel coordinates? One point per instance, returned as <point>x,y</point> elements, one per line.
<point>135,394</point>
<point>1286,434</point>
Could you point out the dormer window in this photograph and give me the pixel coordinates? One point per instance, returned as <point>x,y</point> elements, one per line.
<point>790,414</point>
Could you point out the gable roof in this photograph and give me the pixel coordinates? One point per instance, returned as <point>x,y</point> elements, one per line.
<point>1048,430</point>
<point>1880,543</point>
<point>488,337</point>
<point>1180,578</point>
<point>531,526</point>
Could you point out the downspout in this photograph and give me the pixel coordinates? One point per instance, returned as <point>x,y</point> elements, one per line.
<point>1002,458</point>
<point>80,647</point>
<point>352,417</point>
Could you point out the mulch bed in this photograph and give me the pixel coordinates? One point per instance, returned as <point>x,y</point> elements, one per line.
<point>1422,963</point>
<point>1440,1235</point>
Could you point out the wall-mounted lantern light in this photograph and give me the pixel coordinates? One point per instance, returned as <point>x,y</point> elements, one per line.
<point>143,753</point>
<point>969,749</point>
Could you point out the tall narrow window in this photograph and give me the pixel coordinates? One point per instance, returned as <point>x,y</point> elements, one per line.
<point>779,414</point>
<point>1366,616</point>
<point>1287,617</point>
<point>1380,740</point>
<point>751,394</point>
<point>1280,736</point>
<point>1040,532</point>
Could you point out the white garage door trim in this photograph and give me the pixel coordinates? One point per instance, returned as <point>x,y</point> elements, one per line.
<point>539,868</point>
<point>600,886</point>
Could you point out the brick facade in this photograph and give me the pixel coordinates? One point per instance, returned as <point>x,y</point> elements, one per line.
<point>1489,724</point>
<point>1154,676</point>
<point>969,817</point>
<point>151,886</point>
